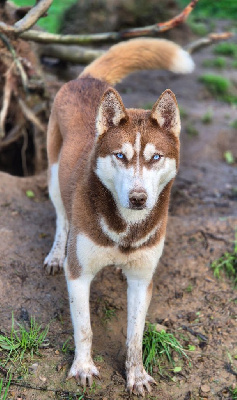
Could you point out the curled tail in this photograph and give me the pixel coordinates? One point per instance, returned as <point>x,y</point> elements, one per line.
<point>137,54</point>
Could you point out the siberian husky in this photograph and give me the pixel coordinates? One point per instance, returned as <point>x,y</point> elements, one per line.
<point>110,174</point>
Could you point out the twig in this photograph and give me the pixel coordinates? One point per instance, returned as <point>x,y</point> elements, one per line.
<point>6,102</point>
<point>194,333</point>
<point>19,66</point>
<point>32,16</point>
<point>151,30</point>
<point>208,40</point>
<point>30,115</point>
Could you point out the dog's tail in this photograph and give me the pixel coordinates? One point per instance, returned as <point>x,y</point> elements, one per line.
<point>137,54</point>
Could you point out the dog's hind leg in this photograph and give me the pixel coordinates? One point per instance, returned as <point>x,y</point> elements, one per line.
<point>54,261</point>
<point>139,296</point>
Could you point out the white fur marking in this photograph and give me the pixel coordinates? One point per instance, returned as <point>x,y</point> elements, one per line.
<point>127,150</point>
<point>149,151</point>
<point>55,258</point>
<point>140,263</point>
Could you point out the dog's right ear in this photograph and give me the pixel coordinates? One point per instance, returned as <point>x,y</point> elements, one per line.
<point>111,112</point>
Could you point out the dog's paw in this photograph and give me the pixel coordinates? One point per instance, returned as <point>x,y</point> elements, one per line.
<point>83,372</point>
<point>53,263</point>
<point>138,381</point>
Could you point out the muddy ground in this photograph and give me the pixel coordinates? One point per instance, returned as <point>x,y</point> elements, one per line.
<point>202,222</point>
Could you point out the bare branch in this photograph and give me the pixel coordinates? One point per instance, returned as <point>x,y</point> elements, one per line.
<point>28,113</point>
<point>32,16</point>
<point>152,30</point>
<point>208,40</point>
<point>72,54</point>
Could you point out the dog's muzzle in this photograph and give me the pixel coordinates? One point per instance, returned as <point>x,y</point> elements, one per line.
<point>137,199</point>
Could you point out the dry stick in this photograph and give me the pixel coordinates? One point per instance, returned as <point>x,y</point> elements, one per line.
<point>32,16</point>
<point>208,40</point>
<point>151,30</point>
<point>30,115</point>
<point>6,102</point>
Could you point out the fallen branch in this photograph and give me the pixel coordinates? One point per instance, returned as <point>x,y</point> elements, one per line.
<point>32,16</point>
<point>207,41</point>
<point>72,54</point>
<point>152,30</point>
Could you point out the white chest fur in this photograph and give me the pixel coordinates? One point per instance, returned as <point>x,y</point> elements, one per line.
<point>141,262</point>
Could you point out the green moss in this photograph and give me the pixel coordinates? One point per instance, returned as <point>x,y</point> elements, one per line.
<point>217,85</point>
<point>224,9</point>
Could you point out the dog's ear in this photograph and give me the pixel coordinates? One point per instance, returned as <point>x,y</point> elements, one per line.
<point>166,113</point>
<point>111,111</point>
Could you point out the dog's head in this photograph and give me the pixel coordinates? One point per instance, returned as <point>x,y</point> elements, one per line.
<point>137,151</point>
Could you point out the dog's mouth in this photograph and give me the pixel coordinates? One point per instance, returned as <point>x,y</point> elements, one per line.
<point>137,206</point>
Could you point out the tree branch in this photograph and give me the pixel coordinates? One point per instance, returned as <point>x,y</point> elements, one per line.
<point>152,30</point>
<point>72,54</point>
<point>207,41</point>
<point>32,16</point>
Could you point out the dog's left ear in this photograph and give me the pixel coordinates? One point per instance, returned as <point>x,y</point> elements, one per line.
<point>166,113</point>
<point>111,112</point>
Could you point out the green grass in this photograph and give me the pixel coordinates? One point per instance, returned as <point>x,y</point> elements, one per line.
<point>21,342</point>
<point>226,49</point>
<point>224,9</point>
<point>4,391</point>
<point>207,118</point>
<point>221,88</point>
<point>229,158</point>
<point>191,130</point>
<point>52,22</point>
<point>233,393</point>
<point>218,62</point>
<point>233,124</point>
<point>158,346</point>
<point>227,264</point>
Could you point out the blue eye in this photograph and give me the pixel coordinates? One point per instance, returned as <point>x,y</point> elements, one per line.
<point>119,155</point>
<point>156,157</point>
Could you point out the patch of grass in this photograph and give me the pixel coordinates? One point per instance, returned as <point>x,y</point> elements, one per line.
<point>183,112</point>
<point>233,124</point>
<point>226,49</point>
<point>213,9</point>
<point>189,288</point>
<point>218,62</point>
<point>207,117</point>
<point>157,345</point>
<point>234,64</point>
<point>227,264</point>
<point>233,393</point>
<point>197,27</point>
<point>229,158</point>
<point>4,391</point>
<point>148,105</point>
<point>52,22</point>
<point>191,130</point>
<point>219,87</point>
<point>22,341</point>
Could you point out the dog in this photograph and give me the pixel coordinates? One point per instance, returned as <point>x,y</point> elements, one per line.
<point>110,174</point>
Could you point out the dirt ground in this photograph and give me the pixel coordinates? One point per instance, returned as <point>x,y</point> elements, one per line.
<point>186,297</point>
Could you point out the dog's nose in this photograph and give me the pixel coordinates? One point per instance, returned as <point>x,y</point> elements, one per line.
<point>137,199</point>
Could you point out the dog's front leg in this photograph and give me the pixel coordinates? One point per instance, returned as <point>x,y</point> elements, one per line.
<point>83,368</point>
<point>139,296</point>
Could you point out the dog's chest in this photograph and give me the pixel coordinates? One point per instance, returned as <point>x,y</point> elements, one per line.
<point>93,257</point>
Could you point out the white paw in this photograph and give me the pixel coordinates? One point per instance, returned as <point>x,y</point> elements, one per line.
<point>83,372</point>
<point>138,380</point>
<point>53,263</point>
